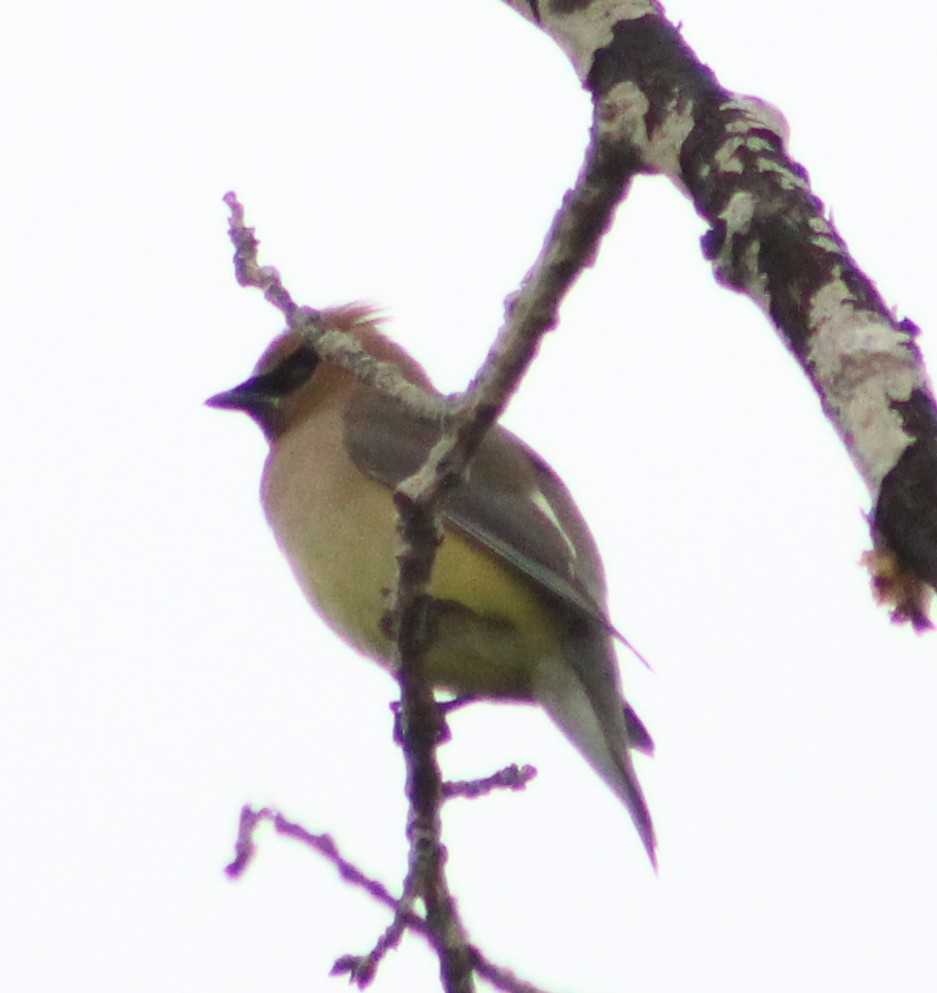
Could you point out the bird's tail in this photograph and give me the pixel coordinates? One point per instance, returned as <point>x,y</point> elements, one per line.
<point>583,698</point>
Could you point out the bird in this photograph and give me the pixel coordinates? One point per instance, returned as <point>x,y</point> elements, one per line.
<point>517,594</point>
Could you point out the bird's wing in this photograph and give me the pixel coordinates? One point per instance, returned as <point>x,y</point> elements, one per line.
<point>514,505</point>
<point>511,502</point>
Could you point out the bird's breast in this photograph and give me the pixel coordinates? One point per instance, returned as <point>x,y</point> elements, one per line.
<point>337,528</point>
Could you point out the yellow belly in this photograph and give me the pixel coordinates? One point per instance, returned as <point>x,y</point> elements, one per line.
<point>342,553</point>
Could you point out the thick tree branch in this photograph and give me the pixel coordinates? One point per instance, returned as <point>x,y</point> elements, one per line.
<point>771,239</point>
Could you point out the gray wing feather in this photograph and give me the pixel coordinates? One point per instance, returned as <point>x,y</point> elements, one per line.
<point>493,505</point>
<point>512,503</point>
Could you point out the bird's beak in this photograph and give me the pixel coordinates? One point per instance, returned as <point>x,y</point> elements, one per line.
<point>254,398</point>
<point>249,396</point>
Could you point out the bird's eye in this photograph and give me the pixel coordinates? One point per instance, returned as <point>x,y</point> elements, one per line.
<point>293,371</point>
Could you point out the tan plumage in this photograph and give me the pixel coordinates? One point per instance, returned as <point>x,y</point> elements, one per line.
<point>517,585</point>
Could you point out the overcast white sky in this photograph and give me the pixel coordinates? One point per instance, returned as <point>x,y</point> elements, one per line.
<point>159,666</point>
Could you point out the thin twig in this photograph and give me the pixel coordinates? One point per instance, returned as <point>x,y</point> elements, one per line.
<point>512,777</point>
<point>307,322</point>
<point>245,849</point>
<point>570,246</point>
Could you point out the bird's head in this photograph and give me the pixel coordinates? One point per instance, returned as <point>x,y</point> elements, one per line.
<point>290,376</point>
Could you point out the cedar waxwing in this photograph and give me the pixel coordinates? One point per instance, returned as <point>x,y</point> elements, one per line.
<point>517,587</point>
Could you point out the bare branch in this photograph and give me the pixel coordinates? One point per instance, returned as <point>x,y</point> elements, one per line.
<point>307,322</point>
<point>512,777</point>
<point>570,245</point>
<point>771,239</point>
<point>354,966</point>
<point>247,269</point>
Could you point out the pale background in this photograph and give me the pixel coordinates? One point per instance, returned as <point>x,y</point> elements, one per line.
<point>160,668</point>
